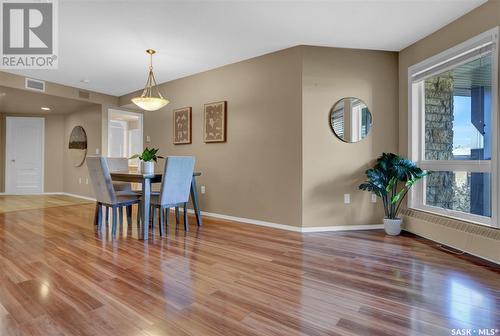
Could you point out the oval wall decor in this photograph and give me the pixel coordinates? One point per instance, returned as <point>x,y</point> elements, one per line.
<point>77,146</point>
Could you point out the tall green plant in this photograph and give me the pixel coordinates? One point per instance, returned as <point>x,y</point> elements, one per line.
<point>149,154</point>
<point>390,179</point>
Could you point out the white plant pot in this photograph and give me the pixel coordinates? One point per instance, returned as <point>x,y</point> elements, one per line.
<point>392,226</point>
<point>147,167</point>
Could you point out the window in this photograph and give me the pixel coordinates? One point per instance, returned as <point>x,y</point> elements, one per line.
<point>454,130</point>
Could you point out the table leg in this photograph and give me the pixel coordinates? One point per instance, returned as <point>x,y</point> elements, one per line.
<point>146,194</point>
<point>194,200</point>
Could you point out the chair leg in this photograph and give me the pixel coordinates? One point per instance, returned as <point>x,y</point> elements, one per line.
<point>107,215</point>
<point>167,217</point>
<point>186,223</point>
<point>160,222</point>
<point>115,215</point>
<point>120,211</point>
<point>177,216</point>
<point>96,213</point>
<point>104,209</point>
<point>139,214</point>
<point>129,215</point>
<point>153,218</point>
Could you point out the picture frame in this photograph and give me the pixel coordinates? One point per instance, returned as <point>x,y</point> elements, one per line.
<point>182,126</point>
<point>215,122</point>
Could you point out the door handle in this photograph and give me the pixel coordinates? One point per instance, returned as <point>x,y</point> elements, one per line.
<point>12,160</point>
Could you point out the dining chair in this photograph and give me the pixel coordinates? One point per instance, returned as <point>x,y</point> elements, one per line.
<point>174,192</point>
<point>119,164</point>
<point>105,193</point>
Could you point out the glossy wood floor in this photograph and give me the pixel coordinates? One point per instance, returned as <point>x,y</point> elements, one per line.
<point>58,277</point>
<point>10,203</point>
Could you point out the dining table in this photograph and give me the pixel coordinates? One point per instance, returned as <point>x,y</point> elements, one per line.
<point>146,180</point>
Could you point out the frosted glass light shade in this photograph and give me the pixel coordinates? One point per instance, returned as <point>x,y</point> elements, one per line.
<point>150,103</point>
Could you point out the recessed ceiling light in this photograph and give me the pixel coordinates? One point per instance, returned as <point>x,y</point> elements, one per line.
<point>2,94</point>
<point>46,108</point>
<point>86,81</point>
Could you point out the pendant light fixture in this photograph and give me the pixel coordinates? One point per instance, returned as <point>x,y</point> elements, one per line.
<point>148,101</point>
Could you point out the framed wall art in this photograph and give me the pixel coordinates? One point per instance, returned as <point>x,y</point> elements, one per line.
<point>214,122</point>
<point>182,126</point>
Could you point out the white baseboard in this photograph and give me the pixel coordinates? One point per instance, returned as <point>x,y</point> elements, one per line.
<point>343,228</point>
<point>290,227</point>
<point>78,196</point>
<point>251,221</point>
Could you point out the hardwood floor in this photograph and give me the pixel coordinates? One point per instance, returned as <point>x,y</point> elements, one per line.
<point>10,203</point>
<point>59,277</point>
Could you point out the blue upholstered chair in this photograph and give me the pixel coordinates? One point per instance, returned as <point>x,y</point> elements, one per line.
<point>118,164</point>
<point>105,193</point>
<point>175,187</point>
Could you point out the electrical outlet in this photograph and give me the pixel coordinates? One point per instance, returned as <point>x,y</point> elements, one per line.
<point>203,189</point>
<point>148,138</point>
<point>374,198</point>
<point>347,198</point>
<point>79,180</point>
<point>97,151</point>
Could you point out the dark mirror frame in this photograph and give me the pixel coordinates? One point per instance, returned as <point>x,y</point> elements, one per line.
<point>330,116</point>
<point>78,145</point>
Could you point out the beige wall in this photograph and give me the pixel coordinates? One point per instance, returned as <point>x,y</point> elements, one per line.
<point>282,164</point>
<point>60,175</point>
<point>479,20</point>
<point>53,165</point>
<point>90,120</point>
<point>256,174</point>
<point>331,167</point>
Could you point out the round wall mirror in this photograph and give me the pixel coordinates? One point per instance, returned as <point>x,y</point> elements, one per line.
<point>350,119</point>
<point>77,146</point>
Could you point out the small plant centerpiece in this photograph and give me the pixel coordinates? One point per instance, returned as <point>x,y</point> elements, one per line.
<point>390,179</point>
<point>148,159</point>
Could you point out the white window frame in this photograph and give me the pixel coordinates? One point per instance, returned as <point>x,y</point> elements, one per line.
<point>416,129</point>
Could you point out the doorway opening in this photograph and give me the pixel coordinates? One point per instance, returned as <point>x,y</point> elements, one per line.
<point>125,131</point>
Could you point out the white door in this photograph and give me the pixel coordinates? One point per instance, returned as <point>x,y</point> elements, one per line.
<point>24,155</point>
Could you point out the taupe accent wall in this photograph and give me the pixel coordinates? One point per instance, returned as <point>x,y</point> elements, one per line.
<point>60,175</point>
<point>281,163</point>
<point>331,167</point>
<point>257,173</point>
<point>474,23</point>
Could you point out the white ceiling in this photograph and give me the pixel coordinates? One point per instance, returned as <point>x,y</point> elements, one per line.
<point>105,41</point>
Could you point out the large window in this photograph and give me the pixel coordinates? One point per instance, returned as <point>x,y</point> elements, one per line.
<point>454,130</point>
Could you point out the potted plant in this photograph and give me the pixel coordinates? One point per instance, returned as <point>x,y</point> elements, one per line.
<point>148,159</point>
<point>390,179</point>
